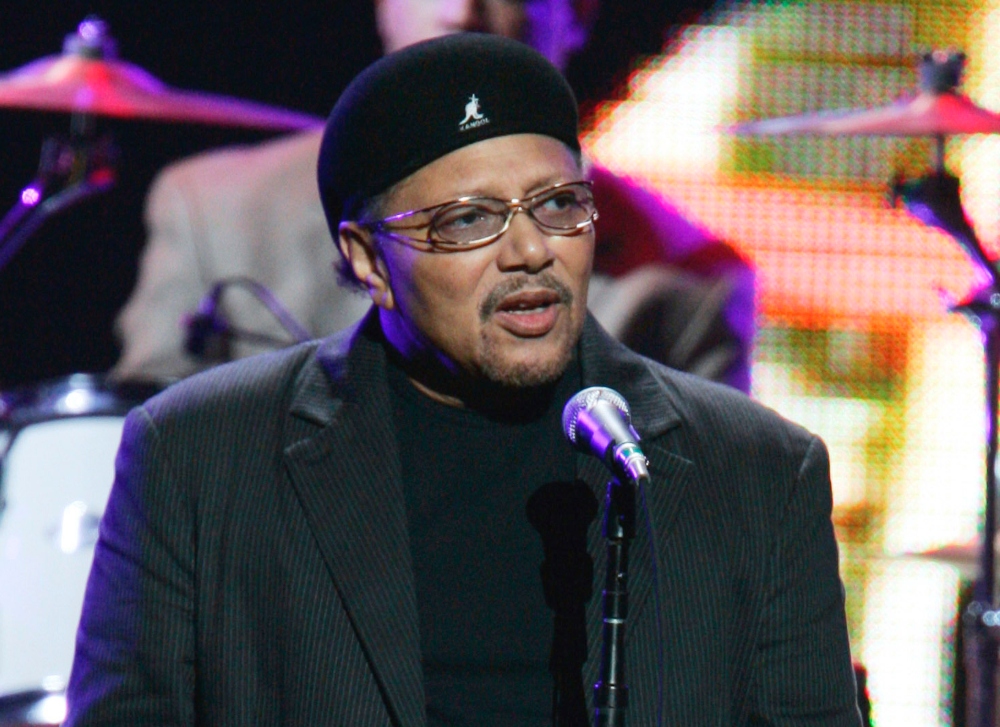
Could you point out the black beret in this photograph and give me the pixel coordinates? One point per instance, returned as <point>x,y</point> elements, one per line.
<point>418,104</point>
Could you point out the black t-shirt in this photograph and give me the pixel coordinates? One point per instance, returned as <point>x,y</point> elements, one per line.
<point>486,631</point>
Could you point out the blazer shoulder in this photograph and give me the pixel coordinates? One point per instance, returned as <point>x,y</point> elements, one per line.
<point>228,394</point>
<point>728,418</point>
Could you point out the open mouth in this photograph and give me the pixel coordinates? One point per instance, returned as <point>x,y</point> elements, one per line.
<point>526,302</point>
<point>529,313</point>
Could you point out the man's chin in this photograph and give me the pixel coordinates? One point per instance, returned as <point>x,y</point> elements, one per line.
<point>527,362</point>
<point>522,373</point>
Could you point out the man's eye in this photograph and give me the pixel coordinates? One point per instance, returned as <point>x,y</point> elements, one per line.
<point>462,219</point>
<point>561,201</point>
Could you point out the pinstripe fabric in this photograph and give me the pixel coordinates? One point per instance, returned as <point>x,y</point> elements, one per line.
<point>254,567</point>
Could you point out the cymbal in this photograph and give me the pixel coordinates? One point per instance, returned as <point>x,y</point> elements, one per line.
<point>963,556</point>
<point>937,110</point>
<point>926,114</point>
<point>82,81</point>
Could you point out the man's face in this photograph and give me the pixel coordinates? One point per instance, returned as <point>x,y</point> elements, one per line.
<point>555,28</point>
<point>509,312</point>
<point>404,22</point>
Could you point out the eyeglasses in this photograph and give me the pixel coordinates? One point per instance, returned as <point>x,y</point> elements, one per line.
<point>470,222</point>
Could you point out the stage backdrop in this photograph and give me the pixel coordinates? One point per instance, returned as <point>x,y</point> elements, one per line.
<point>855,339</point>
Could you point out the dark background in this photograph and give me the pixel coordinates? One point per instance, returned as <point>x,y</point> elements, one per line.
<point>59,295</point>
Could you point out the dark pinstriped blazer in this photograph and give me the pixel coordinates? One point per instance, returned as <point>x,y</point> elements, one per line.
<point>254,568</point>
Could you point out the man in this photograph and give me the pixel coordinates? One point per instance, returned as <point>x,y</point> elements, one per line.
<point>664,285</point>
<point>386,527</point>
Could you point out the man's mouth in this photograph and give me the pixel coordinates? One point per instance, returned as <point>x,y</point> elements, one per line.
<point>529,313</point>
<point>526,302</point>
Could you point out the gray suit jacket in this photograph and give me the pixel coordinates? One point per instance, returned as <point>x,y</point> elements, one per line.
<point>254,565</point>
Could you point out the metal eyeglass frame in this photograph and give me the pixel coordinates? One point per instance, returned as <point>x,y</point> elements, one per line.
<point>513,207</point>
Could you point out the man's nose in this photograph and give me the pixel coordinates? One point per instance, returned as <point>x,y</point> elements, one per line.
<point>524,246</point>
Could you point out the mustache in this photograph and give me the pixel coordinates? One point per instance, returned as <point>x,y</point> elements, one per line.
<point>513,285</point>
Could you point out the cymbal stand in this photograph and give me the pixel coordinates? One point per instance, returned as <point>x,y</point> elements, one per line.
<point>935,201</point>
<point>82,165</point>
<point>76,169</point>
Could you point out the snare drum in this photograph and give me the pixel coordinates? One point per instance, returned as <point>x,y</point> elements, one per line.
<point>57,448</point>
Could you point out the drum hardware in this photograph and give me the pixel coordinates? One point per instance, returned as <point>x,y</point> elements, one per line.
<point>77,528</point>
<point>34,708</point>
<point>78,167</point>
<point>87,80</point>
<point>56,467</point>
<point>939,110</point>
<point>50,505</point>
<point>209,335</point>
<point>964,557</point>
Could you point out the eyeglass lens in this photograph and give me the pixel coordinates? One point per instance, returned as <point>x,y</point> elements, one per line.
<point>562,209</point>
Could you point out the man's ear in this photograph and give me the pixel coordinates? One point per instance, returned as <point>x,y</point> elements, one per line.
<point>358,247</point>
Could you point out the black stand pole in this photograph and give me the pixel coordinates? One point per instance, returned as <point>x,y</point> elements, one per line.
<point>597,421</point>
<point>981,619</point>
<point>935,201</point>
<point>611,692</point>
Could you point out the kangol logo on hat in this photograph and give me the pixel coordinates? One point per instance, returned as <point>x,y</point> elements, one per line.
<point>472,116</point>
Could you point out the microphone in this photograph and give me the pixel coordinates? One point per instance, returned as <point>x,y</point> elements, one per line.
<point>597,421</point>
<point>205,324</point>
<point>209,334</point>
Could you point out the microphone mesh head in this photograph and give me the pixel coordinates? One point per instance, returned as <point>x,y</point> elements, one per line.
<point>585,400</point>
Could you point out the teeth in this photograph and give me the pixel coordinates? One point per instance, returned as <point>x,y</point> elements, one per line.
<point>527,304</point>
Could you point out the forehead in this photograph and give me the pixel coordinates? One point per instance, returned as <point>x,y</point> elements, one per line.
<point>507,167</point>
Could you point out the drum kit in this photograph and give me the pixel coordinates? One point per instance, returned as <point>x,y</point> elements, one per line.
<point>938,111</point>
<point>58,439</point>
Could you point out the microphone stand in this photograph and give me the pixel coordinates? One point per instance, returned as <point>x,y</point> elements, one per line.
<point>611,692</point>
<point>597,421</point>
<point>935,201</point>
<point>209,333</point>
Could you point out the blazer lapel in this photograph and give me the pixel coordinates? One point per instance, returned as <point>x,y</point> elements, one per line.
<point>346,474</point>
